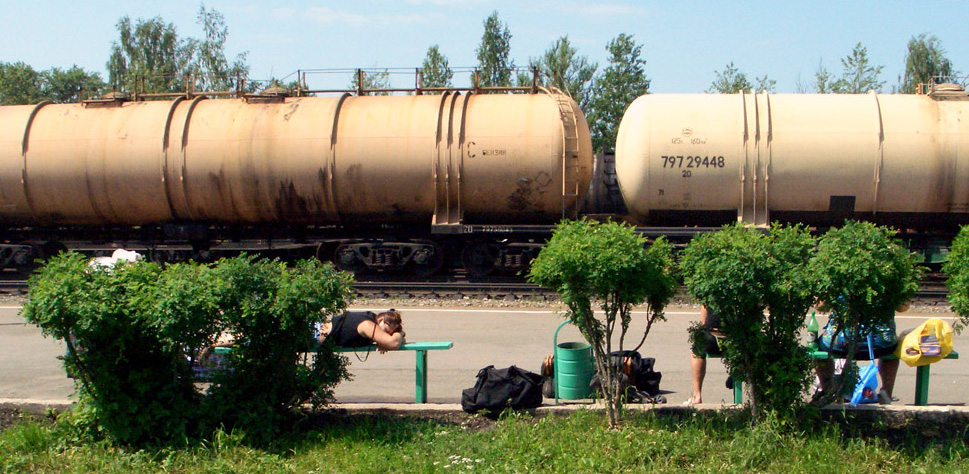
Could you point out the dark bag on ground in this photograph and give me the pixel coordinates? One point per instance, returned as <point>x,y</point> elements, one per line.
<point>497,389</point>
<point>639,369</point>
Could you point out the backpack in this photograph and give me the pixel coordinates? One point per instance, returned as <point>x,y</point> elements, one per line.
<point>497,389</point>
<point>639,369</point>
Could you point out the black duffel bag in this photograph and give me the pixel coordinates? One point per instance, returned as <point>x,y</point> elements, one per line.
<point>497,389</point>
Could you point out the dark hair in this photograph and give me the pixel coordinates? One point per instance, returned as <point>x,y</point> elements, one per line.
<point>391,316</point>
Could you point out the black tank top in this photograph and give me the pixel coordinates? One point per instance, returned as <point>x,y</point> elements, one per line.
<point>344,332</point>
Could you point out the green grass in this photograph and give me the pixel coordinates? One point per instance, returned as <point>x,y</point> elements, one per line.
<point>579,442</point>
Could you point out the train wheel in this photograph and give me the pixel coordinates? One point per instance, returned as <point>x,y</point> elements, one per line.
<point>428,260</point>
<point>345,259</point>
<point>479,259</point>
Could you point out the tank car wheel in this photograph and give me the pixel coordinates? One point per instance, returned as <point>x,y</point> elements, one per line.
<point>345,259</point>
<point>428,260</point>
<point>479,259</point>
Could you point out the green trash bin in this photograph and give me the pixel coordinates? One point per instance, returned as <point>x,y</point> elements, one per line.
<point>574,368</point>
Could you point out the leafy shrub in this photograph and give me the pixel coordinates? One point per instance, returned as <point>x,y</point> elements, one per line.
<point>131,331</point>
<point>864,273</point>
<point>587,261</point>
<point>759,285</point>
<point>957,268</point>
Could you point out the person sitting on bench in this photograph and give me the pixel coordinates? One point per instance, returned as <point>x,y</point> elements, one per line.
<point>364,328</point>
<point>884,340</point>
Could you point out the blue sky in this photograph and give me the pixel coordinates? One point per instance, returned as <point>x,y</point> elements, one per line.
<point>684,42</point>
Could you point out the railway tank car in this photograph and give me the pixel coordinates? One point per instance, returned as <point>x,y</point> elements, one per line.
<point>706,160</point>
<point>388,181</point>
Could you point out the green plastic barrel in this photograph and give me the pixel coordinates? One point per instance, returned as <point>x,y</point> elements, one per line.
<point>574,368</point>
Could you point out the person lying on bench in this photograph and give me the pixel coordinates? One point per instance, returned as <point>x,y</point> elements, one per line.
<point>363,328</point>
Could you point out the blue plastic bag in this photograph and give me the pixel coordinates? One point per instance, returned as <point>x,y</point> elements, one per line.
<point>867,389</point>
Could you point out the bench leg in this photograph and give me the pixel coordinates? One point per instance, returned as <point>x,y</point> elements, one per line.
<point>421,374</point>
<point>922,385</point>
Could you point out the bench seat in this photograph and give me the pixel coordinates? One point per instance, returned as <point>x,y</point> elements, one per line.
<point>922,374</point>
<point>420,350</point>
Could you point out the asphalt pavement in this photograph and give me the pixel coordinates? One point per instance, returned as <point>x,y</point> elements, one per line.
<point>30,371</point>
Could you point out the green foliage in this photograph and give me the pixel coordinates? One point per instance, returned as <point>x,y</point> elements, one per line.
<point>562,67</point>
<point>621,82</point>
<point>925,60</point>
<point>587,261</point>
<point>150,57</point>
<point>858,76</point>
<point>957,268</point>
<point>733,80</point>
<point>131,330</point>
<point>666,441</point>
<point>19,84</point>
<point>863,274</point>
<point>208,64</point>
<point>494,54</point>
<point>759,285</point>
<point>435,70</point>
<point>367,82</point>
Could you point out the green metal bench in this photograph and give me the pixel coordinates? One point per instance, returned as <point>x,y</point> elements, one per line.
<point>922,374</point>
<point>420,349</point>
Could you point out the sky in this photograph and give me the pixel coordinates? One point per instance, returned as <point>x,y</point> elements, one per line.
<point>684,43</point>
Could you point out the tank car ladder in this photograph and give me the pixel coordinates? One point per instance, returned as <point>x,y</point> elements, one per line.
<point>570,163</point>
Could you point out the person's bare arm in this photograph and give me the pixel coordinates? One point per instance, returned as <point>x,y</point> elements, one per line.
<point>385,341</point>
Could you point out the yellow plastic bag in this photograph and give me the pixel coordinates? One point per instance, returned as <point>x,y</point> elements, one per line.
<point>930,342</point>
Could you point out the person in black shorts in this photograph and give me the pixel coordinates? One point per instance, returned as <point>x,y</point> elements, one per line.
<point>709,344</point>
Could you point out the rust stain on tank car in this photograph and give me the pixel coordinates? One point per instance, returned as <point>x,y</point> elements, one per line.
<point>528,196</point>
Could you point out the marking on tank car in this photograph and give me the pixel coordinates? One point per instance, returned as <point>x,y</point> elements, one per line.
<point>495,152</point>
<point>678,161</point>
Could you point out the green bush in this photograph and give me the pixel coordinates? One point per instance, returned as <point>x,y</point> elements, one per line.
<point>957,268</point>
<point>759,285</point>
<point>132,329</point>
<point>606,263</point>
<point>864,273</point>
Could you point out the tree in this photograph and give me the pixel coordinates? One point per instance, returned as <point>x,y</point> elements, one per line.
<point>562,67</point>
<point>858,76</point>
<point>20,84</point>
<point>370,83</point>
<point>824,83</point>
<point>148,57</point>
<point>72,85</point>
<point>760,286</point>
<point>494,64</point>
<point>208,64</point>
<point>863,274</point>
<point>732,80</point>
<point>588,261</point>
<point>621,82</point>
<point>435,71</point>
<point>925,60</point>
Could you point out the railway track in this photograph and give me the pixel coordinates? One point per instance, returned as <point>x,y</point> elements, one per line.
<point>932,291</point>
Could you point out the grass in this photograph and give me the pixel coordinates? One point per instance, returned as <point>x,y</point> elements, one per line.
<point>579,442</point>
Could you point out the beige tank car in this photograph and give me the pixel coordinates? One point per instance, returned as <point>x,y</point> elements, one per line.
<point>711,159</point>
<point>443,160</point>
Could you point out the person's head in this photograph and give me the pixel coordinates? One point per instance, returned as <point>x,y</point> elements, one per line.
<point>390,321</point>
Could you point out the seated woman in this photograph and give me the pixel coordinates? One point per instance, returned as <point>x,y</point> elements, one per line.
<point>363,328</point>
<point>884,341</point>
